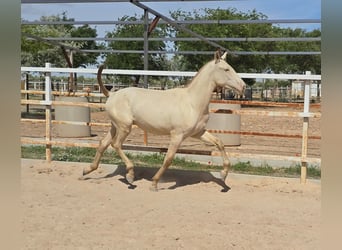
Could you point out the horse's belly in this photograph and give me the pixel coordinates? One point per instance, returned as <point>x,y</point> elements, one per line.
<point>162,119</point>
<point>155,128</point>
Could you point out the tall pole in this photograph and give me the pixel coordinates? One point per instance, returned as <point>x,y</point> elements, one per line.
<point>145,58</point>
<point>145,47</point>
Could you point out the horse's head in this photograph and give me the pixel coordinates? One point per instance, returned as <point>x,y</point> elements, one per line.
<point>225,76</point>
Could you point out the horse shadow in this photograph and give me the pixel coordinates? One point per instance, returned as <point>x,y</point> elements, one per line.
<point>179,177</point>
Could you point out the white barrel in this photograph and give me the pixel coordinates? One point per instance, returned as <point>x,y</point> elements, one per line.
<point>225,121</point>
<point>75,114</point>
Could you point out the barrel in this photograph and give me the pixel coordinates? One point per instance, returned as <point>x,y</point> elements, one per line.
<point>223,119</point>
<point>74,114</point>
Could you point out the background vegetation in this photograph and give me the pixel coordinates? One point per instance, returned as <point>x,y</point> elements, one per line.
<point>37,52</point>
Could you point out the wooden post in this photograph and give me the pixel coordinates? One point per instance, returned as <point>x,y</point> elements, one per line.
<point>145,138</point>
<point>303,171</point>
<point>48,132</point>
<point>27,95</point>
<point>47,103</point>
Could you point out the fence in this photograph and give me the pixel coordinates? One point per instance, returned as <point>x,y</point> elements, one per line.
<point>47,103</point>
<point>294,93</point>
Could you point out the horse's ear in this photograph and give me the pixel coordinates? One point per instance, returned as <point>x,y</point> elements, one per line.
<point>223,57</point>
<point>217,55</point>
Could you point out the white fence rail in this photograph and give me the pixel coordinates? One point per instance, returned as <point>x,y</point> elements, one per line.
<point>166,73</point>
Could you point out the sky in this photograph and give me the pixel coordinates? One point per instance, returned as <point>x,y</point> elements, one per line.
<point>273,9</point>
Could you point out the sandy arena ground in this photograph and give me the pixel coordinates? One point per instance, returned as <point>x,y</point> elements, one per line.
<point>190,211</point>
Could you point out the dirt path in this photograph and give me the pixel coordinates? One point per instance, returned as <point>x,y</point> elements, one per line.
<point>189,212</point>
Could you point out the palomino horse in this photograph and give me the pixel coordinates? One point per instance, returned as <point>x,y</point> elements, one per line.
<point>179,112</point>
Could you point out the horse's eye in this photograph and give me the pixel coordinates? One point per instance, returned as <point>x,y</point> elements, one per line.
<point>226,70</point>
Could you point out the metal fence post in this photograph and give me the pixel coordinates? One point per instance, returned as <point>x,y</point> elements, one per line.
<point>145,47</point>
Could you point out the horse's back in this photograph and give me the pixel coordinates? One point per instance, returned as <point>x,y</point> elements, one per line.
<point>157,111</point>
<point>146,98</point>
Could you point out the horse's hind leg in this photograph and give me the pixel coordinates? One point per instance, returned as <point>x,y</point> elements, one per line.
<point>209,138</point>
<point>104,143</point>
<point>120,137</point>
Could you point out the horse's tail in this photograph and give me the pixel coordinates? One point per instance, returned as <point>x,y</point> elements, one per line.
<point>99,81</point>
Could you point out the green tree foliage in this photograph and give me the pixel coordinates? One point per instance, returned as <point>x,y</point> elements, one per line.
<point>241,63</point>
<point>296,63</point>
<point>38,52</point>
<point>82,59</point>
<point>135,61</point>
<point>247,63</point>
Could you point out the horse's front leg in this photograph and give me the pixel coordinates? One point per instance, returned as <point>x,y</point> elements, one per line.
<point>209,138</point>
<point>176,140</point>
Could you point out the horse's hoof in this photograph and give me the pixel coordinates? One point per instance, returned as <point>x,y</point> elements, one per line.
<point>130,178</point>
<point>153,188</point>
<point>85,172</point>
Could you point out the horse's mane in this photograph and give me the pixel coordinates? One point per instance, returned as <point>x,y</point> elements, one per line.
<point>188,84</point>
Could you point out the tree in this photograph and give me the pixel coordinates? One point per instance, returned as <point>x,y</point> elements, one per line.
<point>82,59</point>
<point>38,52</point>
<point>250,63</point>
<point>135,60</point>
<point>247,63</point>
<point>297,63</point>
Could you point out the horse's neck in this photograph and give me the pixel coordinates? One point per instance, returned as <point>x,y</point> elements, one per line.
<point>200,90</point>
